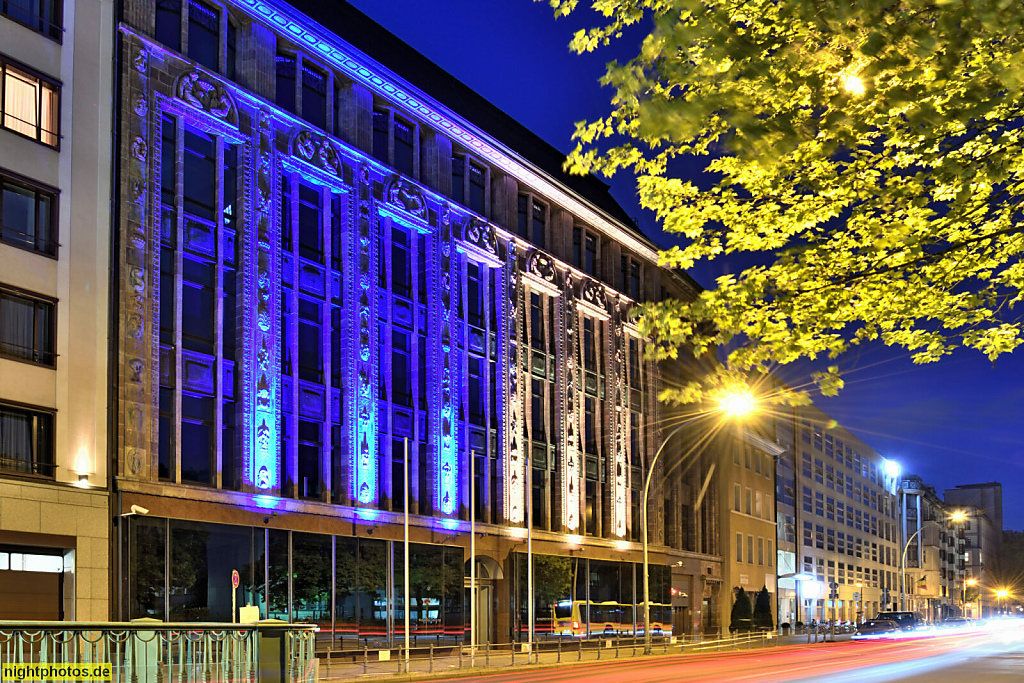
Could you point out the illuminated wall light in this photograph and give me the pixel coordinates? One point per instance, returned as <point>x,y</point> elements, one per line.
<point>574,539</point>
<point>622,545</point>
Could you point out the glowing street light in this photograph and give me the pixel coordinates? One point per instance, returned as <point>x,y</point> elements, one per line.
<point>854,85</point>
<point>958,516</point>
<point>735,404</point>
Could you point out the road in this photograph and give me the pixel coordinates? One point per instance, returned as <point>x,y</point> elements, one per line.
<point>976,657</point>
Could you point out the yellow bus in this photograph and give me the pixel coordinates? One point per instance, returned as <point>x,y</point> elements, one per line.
<point>608,619</point>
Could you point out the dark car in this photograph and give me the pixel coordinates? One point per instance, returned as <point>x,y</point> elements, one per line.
<point>908,621</point>
<point>877,628</point>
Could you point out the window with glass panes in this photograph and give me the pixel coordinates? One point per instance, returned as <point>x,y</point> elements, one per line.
<point>30,105</point>
<point>28,214</point>
<point>532,219</point>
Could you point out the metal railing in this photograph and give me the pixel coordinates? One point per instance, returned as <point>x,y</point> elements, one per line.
<point>347,664</point>
<point>159,652</point>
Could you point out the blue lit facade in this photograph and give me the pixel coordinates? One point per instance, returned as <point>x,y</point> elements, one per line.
<point>326,271</point>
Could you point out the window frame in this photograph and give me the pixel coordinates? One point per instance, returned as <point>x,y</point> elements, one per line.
<point>7,176</point>
<point>44,82</point>
<point>54,29</point>
<point>35,412</point>
<point>468,162</point>
<point>38,299</point>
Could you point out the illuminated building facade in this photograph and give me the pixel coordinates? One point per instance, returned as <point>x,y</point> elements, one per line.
<point>837,521</point>
<point>54,269</point>
<point>982,538</point>
<point>934,564</point>
<point>349,287</point>
<point>748,514</point>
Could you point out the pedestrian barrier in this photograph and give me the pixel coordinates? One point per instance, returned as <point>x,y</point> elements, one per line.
<point>151,651</point>
<point>433,659</point>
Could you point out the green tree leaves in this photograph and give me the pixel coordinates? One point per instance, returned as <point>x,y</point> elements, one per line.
<point>871,150</point>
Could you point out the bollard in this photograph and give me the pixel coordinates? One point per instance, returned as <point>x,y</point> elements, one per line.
<point>559,660</point>
<point>431,658</point>
<point>487,653</point>
<point>579,643</point>
<point>365,657</point>
<point>599,648</point>
<point>460,656</point>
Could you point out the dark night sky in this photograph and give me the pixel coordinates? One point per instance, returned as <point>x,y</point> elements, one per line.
<point>955,422</point>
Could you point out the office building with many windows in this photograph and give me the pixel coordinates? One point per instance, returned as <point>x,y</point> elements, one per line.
<point>351,290</point>
<point>837,522</point>
<point>55,187</point>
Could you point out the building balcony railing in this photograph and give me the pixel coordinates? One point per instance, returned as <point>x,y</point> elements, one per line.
<point>150,651</point>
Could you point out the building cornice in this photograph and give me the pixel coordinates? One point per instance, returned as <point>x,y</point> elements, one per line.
<point>317,39</point>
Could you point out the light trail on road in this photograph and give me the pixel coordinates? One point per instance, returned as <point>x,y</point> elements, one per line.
<point>848,661</point>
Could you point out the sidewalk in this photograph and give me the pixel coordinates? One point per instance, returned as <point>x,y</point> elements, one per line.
<point>422,665</point>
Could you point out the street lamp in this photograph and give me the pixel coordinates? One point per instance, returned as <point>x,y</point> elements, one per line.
<point>958,516</point>
<point>1001,595</point>
<point>972,583</point>
<point>734,404</point>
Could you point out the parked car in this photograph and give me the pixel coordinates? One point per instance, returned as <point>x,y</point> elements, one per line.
<point>874,629</point>
<point>908,621</point>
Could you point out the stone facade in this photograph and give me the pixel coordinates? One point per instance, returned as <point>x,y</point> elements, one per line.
<point>55,168</point>
<point>322,266</point>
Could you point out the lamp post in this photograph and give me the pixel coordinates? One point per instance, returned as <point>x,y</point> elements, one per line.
<point>955,517</point>
<point>733,404</point>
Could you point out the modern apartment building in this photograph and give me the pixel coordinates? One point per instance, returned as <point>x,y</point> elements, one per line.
<point>55,180</point>
<point>934,545</point>
<point>350,289</point>
<point>837,522</point>
<point>983,535</point>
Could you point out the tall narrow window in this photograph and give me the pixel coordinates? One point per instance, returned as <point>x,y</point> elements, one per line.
<point>314,96</point>
<point>478,189</point>
<point>590,262</point>
<point>311,354</point>
<point>168,23</point>
<point>203,34</point>
<point>310,448</point>
<point>28,215</point>
<point>475,295</point>
<point>168,180</point>
<point>539,224</point>
<point>30,104</point>
<point>577,247</point>
<point>197,305</point>
<point>196,438</point>
<point>401,264</point>
<point>459,179</point>
<point>405,147</point>
<point>198,175</point>
<point>285,93</point>
<point>311,223</point>
<point>523,216</point>
<point>401,370</point>
<point>26,328</point>
<point>380,135</point>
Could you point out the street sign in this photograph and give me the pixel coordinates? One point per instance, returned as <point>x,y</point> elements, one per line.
<point>234,595</point>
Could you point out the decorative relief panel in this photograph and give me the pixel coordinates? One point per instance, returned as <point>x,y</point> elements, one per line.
<point>140,353</point>
<point>405,195</point>
<point>514,465</point>
<point>261,379</point>
<point>363,375</point>
<point>319,151</point>
<point>446,423</point>
<point>620,435</point>
<point>594,294</point>
<point>541,265</point>
<point>571,410</point>
<point>481,235</point>
<point>202,92</point>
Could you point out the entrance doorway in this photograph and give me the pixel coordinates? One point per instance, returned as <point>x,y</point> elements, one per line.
<point>487,573</point>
